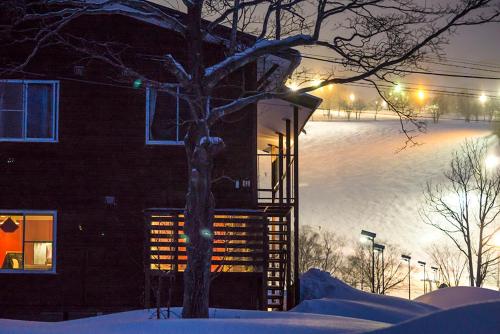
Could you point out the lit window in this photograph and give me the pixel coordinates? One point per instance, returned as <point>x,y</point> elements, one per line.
<point>27,241</point>
<point>166,117</point>
<point>28,110</point>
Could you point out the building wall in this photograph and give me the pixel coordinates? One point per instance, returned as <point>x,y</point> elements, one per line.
<point>102,152</point>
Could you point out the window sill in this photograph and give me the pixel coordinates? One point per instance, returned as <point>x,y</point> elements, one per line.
<point>165,142</point>
<point>27,272</point>
<point>29,140</point>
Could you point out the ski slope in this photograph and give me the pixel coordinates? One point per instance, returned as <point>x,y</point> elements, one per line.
<point>353,178</point>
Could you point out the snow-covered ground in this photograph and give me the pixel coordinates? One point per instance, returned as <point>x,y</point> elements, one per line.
<point>344,310</point>
<point>458,296</point>
<point>324,294</point>
<point>351,177</point>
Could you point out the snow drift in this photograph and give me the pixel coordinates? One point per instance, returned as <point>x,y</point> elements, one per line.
<point>330,307</point>
<point>480,318</point>
<point>221,322</point>
<point>324,294</point>
<point>458,296</point>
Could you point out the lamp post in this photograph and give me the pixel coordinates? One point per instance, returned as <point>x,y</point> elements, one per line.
<point>496,242</point>
<point>434,270</point>
<point>422,263</point>
<point>380,250</point>
<point>407,258</point>
<point>370,236</point>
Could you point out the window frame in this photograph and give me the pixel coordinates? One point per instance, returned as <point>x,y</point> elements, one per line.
<point>150,141</point>
<point>55,111</point>
<point>25,213</point>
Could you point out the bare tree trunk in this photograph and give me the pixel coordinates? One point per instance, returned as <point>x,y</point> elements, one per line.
<point>200,152</point>
<point>479,278</point>
<point>469,258</point>
<point>198,228</point>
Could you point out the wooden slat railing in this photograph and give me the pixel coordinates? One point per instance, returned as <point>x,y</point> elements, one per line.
<point>239,236</point>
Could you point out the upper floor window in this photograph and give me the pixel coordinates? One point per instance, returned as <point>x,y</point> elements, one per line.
<point>28,110</point>
<point>166,117</point>
<point>27,241</point>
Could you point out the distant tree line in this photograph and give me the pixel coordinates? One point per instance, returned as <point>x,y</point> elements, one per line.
<point>339,101</point>
<point>323,249</point>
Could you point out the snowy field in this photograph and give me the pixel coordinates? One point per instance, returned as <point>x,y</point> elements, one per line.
<point>351,177</point>
<point>330,307</point>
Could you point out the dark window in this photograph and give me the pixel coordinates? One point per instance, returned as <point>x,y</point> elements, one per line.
<point>28,110</point>
<point>167,117</point>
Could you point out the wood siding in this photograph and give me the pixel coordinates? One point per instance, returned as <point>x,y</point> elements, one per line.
<point>102,152</point>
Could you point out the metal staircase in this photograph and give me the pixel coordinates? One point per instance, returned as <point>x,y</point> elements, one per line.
<point>278,259</point>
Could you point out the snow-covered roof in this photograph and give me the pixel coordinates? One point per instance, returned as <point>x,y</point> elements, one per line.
<point>271,116</point>
<point>153,13</point>
<point>140,11</point>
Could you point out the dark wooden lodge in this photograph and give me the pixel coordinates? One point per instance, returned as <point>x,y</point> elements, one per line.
<point>93,173</point>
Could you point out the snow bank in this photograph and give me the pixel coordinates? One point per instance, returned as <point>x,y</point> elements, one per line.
<point>222,322</point>
<point>480,318</point>
<point>324,294</point>
<point>457,296</point>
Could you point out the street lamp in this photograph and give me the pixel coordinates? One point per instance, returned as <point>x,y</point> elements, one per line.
<point>422,263</point>
<point>496,242</point>
<point>370,236</point>
<point>407,258</point>
<point>380,250</point>
<point>434,271</point>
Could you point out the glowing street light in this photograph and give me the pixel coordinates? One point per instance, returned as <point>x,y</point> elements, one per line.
<point>483,99</point>
<point>421,95</point>
<point>492,161</point>
<point>398,88</point>
<point>293,86</point>
<point>407,258</point>
<point>352,97</point>
<point>422,263</point>
<point>434,271</point>
<point>380,250</point>
<point>370,236</point>
<point>496,243</point>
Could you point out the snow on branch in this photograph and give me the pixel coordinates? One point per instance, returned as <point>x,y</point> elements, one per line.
<point>177,69</point>
<point>218,71</point>
<point>238,104</point>
<point>138,9</point>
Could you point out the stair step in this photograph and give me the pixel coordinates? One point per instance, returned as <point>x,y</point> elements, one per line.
<point>277,233</point>
<point>275,304</point>
<point>275,279</point>
<point>276,270</point>
<point>277,251</point>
